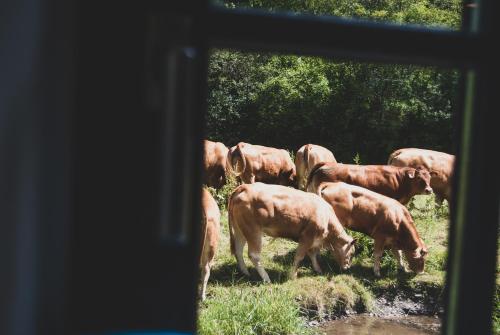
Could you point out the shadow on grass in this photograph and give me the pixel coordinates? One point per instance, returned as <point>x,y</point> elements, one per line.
<point>326,263</point>
<point>364,273</point>
<point>229,275</point>
<point>391,284</point>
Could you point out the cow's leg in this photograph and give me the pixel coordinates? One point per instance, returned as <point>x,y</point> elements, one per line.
<point>254,250</point>
<point>252,179</point>
<point>399,258</point>
<point>313,254</point>
<point>239,244</point>
<point>378,251</point>
<point>438,198</point>
<point>205,274</point>
<point>302,249</point>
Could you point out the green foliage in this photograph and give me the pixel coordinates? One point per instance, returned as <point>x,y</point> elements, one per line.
<point>445,13</point>
<point>356,159</point>
<point>496,310</point>
<point>292,155</point>
<point>287,101</point>
<point>221,196</point>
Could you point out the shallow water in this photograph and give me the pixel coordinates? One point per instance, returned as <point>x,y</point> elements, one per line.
<point>369,325</point>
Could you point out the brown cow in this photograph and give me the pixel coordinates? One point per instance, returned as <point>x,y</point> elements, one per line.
<point>387,221</point>
<point>254,163</point>
<point>209,236</point>
<point>214,163</point>
<point>400,183</point>
<point>439,164</point>
<point>307,157</point>
<point>280,211</point>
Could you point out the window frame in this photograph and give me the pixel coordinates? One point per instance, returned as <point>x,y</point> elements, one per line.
<point>202,27</point>
<point>476,183</point>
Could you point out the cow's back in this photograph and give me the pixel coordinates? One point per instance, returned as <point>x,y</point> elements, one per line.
<point>392,181</point>
<point>264,164</point>
<point>214,163</point>
<point>277,210</point>
<point>429,159</point>
<point>440,164</point>
<point>372,213</point>
<point>373,177</point>
<point>307,157</point>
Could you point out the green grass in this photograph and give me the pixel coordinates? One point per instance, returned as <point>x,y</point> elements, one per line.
<point>240,305</point>
<point>247,309</point>
<point>496,298</point>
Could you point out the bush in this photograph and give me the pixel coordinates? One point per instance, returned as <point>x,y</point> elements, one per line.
<point>222,195</point>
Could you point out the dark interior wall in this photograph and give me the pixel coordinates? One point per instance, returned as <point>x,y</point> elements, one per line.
<point>36,63</point>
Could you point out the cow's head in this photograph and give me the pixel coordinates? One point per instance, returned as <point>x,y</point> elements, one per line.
<point>292,179</point>
<point>342,253</point>
<point>420,179</point>
<point>294,182</point>
<point>416,259</point>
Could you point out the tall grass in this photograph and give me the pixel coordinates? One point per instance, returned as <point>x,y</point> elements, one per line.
<point>251,310</point>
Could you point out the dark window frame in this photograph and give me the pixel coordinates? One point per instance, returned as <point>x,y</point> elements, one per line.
<point>139,291</point>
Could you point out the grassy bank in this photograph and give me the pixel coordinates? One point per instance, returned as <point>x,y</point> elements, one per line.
<point>240,305</point>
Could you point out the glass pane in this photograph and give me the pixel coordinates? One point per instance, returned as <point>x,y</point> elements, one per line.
<point>362,113</point>
<point>435,13</point>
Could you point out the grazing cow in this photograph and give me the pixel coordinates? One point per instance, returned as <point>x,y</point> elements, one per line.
<point>209,236</point>
<point>387,221</point>
<point>439,164</point>
<point>307,157</point>
<point>280,211</point>
<point>214,163</point>
<point>400,183</point>
<point>252,163</point>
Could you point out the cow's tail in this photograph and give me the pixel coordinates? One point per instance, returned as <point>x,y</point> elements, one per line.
<point>229,221</point>
<point>236,160</point>
<point>306,156</point>
<point>230,215</point>
<point>204,229</point>
<point>314,170</point>
<point>392,156</point>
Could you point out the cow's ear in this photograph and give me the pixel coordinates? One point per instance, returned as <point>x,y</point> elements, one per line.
<point>433,173</point>
<point>410,173</point>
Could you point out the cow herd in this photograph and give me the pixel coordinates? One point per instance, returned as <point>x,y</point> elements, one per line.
<point>312,200</point>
